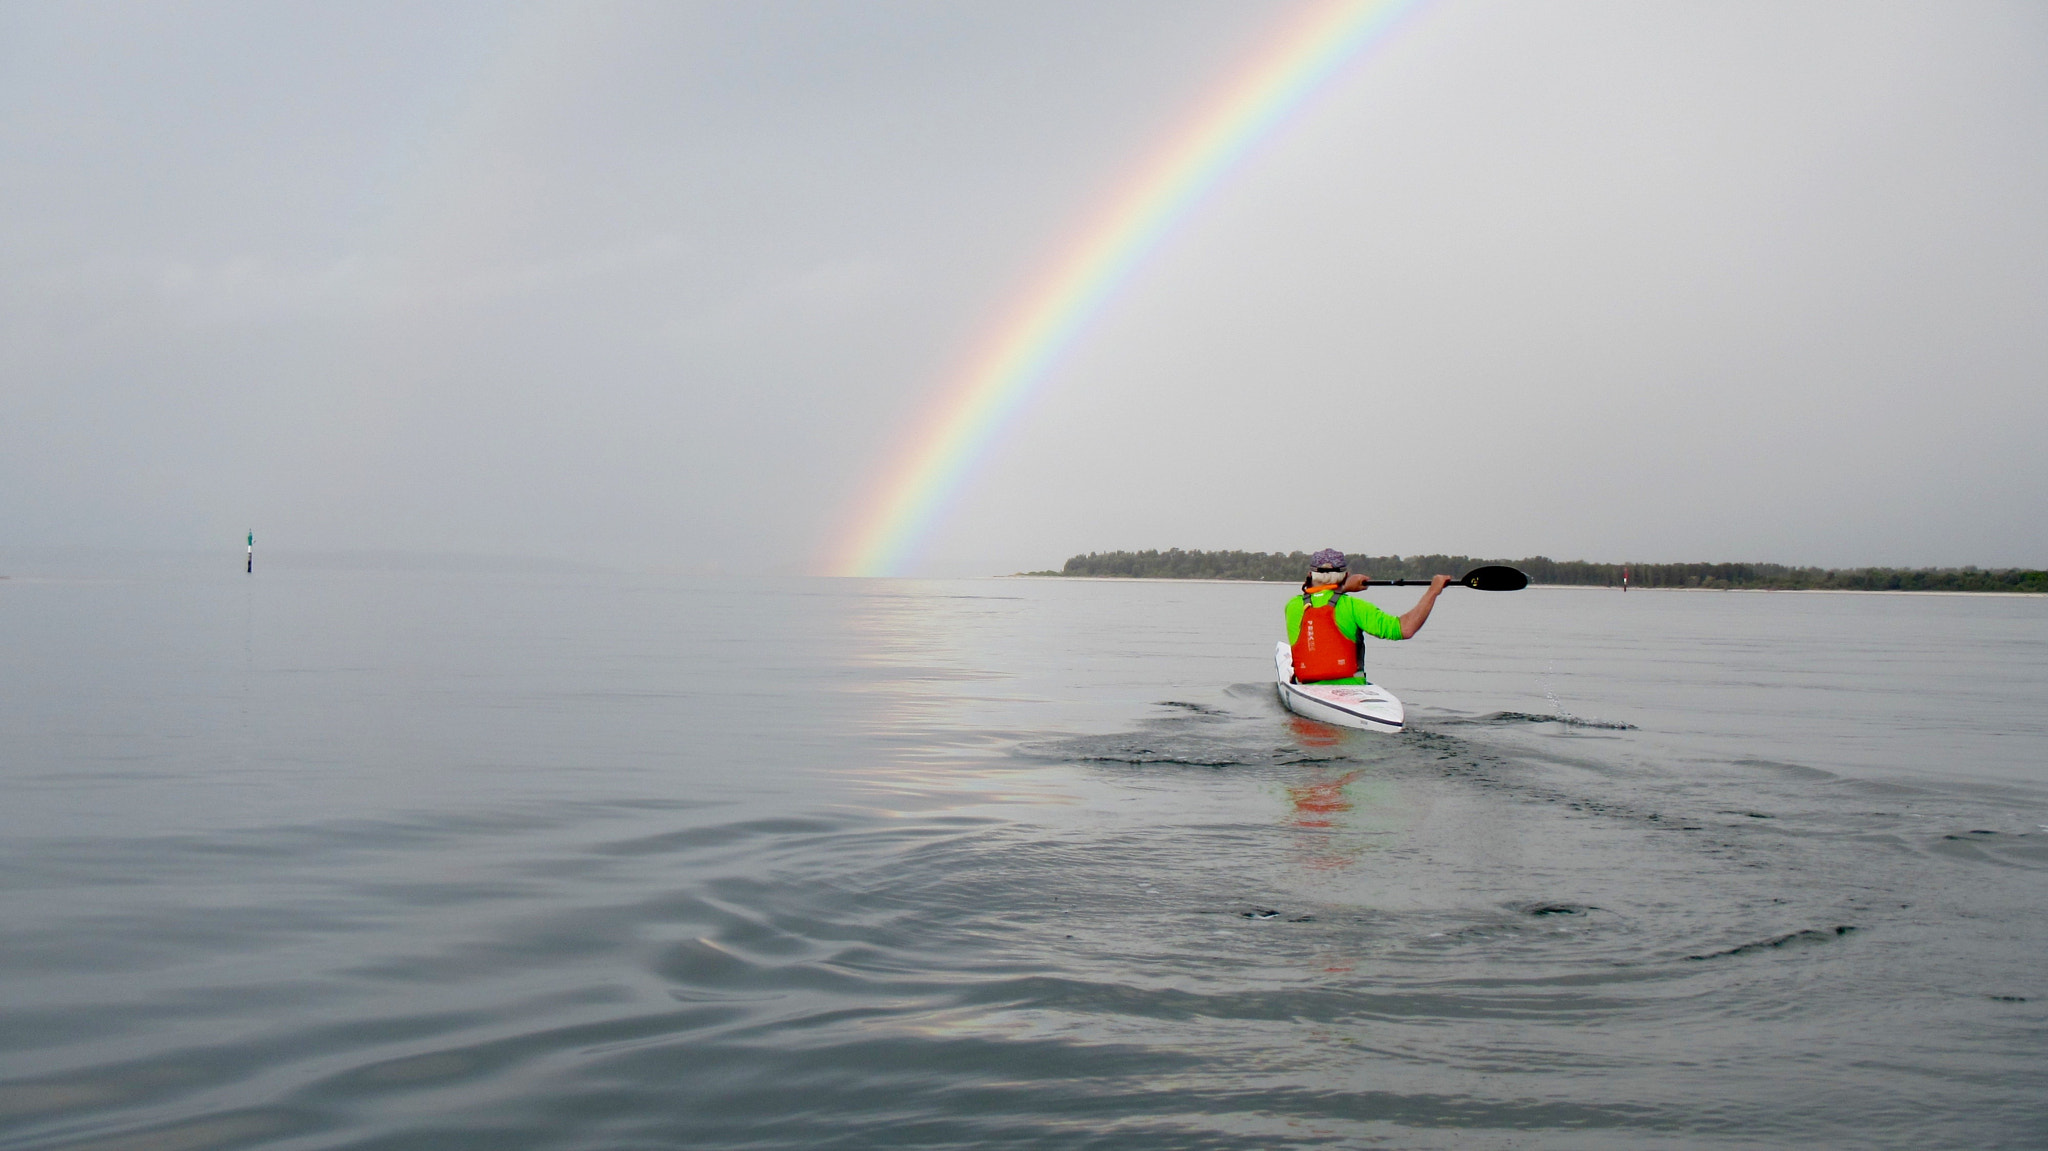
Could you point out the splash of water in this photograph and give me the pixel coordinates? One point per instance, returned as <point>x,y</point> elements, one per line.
<point>1557,706</point>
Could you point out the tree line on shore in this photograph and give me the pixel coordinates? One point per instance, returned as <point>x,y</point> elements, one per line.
<point>1288,567</point>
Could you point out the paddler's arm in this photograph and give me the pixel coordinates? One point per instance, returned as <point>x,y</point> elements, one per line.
<point>1413,619</point>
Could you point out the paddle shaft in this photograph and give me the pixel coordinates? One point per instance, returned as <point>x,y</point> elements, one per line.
<point>1492,577</point>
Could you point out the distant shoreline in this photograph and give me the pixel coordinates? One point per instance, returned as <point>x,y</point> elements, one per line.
<point>1287,567</point>
<point>1550,586</point>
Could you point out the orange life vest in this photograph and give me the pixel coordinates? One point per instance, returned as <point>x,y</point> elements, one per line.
<point>1321,650</point>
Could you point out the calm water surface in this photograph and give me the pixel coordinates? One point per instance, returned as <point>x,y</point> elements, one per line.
<point>360,859</point>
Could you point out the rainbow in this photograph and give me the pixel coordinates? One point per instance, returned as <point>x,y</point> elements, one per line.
<point>914,494</point>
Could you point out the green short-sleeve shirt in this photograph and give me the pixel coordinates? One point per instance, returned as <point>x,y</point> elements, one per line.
<point>1353,616</point>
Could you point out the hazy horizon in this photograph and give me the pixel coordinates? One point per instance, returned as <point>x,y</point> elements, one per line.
<point>89,560</point>
<point>668,286</point>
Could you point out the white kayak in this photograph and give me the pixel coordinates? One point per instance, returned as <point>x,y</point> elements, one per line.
<point>1365,706</point>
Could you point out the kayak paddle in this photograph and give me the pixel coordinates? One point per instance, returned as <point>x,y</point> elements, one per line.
<point>1493,577</point>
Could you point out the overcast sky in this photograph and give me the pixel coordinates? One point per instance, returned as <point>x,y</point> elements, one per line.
<point>666,284</point>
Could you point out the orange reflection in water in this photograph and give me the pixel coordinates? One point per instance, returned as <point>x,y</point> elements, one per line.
<point>1314,807</point>
<point>1313,734</point>
<point>1315,802</point>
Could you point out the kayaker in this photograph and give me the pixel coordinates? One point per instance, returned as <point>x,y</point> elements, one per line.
<point>1327,628</point>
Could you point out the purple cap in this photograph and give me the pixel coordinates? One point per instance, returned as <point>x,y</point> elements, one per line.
<point>1328,560</point>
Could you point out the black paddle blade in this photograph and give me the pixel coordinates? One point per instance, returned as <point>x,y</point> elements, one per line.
<point>1495,578</point>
